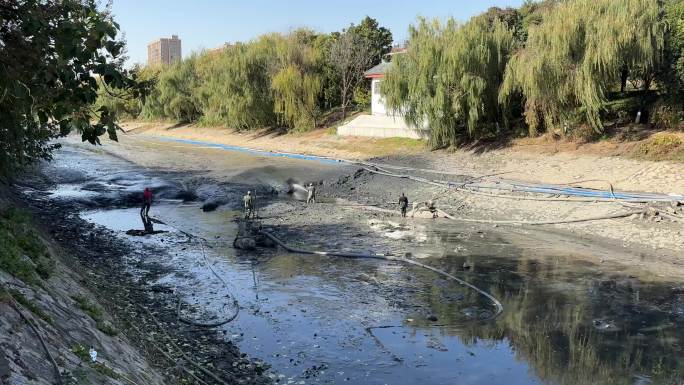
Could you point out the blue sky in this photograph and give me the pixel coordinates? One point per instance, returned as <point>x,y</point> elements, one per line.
<point>207,24</point>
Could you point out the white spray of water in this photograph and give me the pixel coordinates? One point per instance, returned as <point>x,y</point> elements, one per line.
<point>297,191</point>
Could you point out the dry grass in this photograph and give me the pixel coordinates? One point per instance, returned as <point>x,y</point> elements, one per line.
<point>631,143</point>
<point>372,147</point>
<point>662,146</point>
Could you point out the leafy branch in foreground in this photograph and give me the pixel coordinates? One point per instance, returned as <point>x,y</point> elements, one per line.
<point>52,54</point>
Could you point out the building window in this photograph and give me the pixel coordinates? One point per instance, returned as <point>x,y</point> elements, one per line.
<point>376,87</point>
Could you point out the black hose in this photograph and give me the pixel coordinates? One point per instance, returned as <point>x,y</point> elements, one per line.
<point>497,304</point>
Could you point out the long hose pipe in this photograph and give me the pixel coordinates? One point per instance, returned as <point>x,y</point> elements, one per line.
<point>222,322</point>
<point>179,301</point>
<point>497,304</point>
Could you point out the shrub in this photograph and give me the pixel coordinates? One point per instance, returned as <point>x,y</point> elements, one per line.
<point>22,253</point>
<point>666,116</point>
<point>663,146</point>
<point>584,133</point>
<point>94,311</point>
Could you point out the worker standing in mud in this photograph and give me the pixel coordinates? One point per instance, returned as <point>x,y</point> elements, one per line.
<point>311,198</point>
<point>432,208</point>
<point>403,204</point>
<point>147,203</point>
<point>249,204</point>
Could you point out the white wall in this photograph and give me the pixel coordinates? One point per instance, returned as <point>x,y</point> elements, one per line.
<point>377,101</point>
<point>382,126</point>
<point>381,123</point>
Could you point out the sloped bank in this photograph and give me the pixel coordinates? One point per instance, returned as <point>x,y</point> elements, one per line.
<point>66,282</point>
<point>49,322</point>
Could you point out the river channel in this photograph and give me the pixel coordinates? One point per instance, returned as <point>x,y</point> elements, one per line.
<point>326,320</point>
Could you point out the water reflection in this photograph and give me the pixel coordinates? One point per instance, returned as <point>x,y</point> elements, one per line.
<point>565,321</point>
<point>572,324</point>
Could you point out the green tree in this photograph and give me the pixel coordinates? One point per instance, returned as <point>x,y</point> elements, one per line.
<point>296,81</point>
<point>52,53</point>
<point>671,74</point>
<point>120,101</point>
<point>235,88</point>
<point>450,77</point>
<point>377,38</point>
<point>577,54</point>
<point>175,94</point>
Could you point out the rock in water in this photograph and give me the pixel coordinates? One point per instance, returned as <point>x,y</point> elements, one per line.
<point>245,243</point>
<point>210,206</point>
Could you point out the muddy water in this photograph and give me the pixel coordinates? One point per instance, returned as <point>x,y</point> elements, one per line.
<point>331,321</point>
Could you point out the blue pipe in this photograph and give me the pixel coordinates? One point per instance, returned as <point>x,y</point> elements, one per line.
<point>250,151</point>
<point>583,192</point>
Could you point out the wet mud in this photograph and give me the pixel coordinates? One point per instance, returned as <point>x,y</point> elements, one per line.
<point>296,319</point>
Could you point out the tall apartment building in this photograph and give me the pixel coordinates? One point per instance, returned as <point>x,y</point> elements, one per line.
<point>164,51</point>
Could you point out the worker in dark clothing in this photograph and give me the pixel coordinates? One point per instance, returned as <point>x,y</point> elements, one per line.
<point>432,208</point>
<point>249,204</point>
<point>147,203</point>
<point>148,225</point>
<point>403,205</point>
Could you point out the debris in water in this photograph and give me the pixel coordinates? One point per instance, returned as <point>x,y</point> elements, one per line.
<point>605,325</point>
<point>210,206</point>
<point>434,343</point>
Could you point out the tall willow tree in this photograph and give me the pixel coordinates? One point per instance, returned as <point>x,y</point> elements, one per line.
<point>175,95</point>
<point>672,74</point>
<point>235,86</point>
<point>450,77</point>
<point>297,81</point>
<point>577,54</point>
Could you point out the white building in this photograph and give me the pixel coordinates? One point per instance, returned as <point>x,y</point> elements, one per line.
<point>382,122</point>
<point>376,74</point>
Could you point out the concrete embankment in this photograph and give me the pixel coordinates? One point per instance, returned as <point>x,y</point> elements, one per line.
<point>52,329</point>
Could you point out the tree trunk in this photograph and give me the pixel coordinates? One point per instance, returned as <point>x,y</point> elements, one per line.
<point>344,102</point>
<point>624,75</point>
<point>647,82</point>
